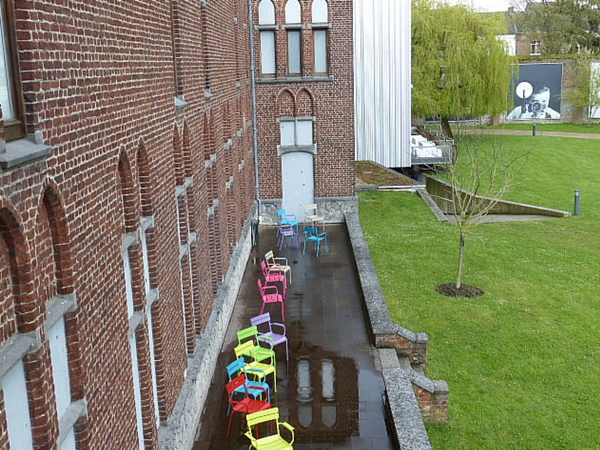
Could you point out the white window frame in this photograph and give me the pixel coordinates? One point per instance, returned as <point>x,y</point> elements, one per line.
<point>294,51</point>
<point>293,26</point>
<point>293,133</point>
<point>535,48</point>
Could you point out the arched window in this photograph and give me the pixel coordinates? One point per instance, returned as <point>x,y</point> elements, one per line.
<point>319,11</point>
<point>266,13</point>
<point>266,25</point>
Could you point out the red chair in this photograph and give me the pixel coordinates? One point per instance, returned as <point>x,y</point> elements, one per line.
<point>242,402</point>
<point>274,275</point>
<point>270,294</point>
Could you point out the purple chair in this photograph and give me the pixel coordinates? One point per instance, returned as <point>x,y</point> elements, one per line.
<point>286,230</point>
<point>266,334</point>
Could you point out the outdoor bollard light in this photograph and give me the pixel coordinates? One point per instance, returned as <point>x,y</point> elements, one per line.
<point>534,126</point>
<point>577,203</point>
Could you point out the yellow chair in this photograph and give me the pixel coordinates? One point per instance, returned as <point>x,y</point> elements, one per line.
<point>255,356</point>
<point>274,441</point>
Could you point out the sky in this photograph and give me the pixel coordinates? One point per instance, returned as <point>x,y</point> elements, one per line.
<point>484,5</point>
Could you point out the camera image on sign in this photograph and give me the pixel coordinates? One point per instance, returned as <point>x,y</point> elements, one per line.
<point>535,104</point>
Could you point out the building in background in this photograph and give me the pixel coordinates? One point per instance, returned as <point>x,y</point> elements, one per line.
<point>383,81</point>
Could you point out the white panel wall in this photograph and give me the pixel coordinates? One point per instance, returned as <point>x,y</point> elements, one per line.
<point>382,81</point>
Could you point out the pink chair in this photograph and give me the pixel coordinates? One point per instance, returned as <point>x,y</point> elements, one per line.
<point>272,333</point>
<point>270,294</point>
<point>274,275</point>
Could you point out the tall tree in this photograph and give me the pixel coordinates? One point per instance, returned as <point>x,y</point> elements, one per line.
<point>561,26</point>
<point>459,67</point>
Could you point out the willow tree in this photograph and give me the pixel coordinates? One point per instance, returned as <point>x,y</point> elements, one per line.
<point>459,66</point>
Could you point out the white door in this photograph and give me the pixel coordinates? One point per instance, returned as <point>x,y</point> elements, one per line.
<point>298,182</point>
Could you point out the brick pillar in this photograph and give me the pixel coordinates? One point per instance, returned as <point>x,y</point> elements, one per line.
<point>433,402</point>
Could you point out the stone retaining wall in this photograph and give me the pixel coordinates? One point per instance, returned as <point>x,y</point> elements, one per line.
<point>427,396</point>
<point>332,208</point>
<point>441,192</point>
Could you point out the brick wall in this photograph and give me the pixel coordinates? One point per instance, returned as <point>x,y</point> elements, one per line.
<point>99,84</point>
<point>329,100</point>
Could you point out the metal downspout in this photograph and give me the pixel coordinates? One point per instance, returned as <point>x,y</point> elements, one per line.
<point>254,114</point>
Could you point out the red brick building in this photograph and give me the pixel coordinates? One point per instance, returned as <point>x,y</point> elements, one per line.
<point>127,186</point>
<point>305,83</point>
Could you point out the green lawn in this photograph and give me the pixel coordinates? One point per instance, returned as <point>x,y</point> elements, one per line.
<point>540,127</point>
<point>523,361</point>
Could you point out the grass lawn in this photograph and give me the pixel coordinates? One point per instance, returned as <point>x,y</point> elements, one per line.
<point>523,361</point>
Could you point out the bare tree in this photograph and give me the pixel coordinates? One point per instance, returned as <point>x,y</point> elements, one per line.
<point>480,178</point>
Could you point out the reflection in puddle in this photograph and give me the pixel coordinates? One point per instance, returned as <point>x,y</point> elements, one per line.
<point>326,395</point>
<point>328,378</point>
<point>304,388</point>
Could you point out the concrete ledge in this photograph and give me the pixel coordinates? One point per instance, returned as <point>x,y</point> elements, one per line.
<point>408,426</point>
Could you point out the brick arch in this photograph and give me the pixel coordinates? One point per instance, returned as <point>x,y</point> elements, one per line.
<point>128,197</point>
<point>286,104</point>
<point>144,180</point>
<point>27,306</point>
<point>187,151</point>
<point>305,104</point>
<point>178,157</point>
<point>226,121</point>
<point>52,202</point>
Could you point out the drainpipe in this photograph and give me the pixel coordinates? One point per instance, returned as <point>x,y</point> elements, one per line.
<point>254,114</point>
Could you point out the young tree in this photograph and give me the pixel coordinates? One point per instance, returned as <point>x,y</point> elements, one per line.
<point>480,178</point>
<point>459,67</point>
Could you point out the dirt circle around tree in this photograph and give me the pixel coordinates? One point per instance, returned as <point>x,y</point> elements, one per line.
<point>465,291</point>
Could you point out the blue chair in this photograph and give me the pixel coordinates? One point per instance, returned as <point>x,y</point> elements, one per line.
<point>311,234</point>
<point>254,388</point>
<point>283,218</point>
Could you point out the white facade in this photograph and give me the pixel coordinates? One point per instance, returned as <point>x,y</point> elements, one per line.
<point>382,72</point>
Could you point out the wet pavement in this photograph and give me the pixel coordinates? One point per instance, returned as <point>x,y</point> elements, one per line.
<point>332,392</point>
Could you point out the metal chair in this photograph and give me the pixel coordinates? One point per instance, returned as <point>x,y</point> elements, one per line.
<point>283,218</point>
<point>270,294</point>
<point>248,353</point>
<point>284,231</point>
<point>254,388</point>
<point>274,274</point>
<point>267,332</point>
<point>273,441</point>
<point>312,234</point>
<point>278,261</point>
<point>244,405</point>
<point>312,216</point>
